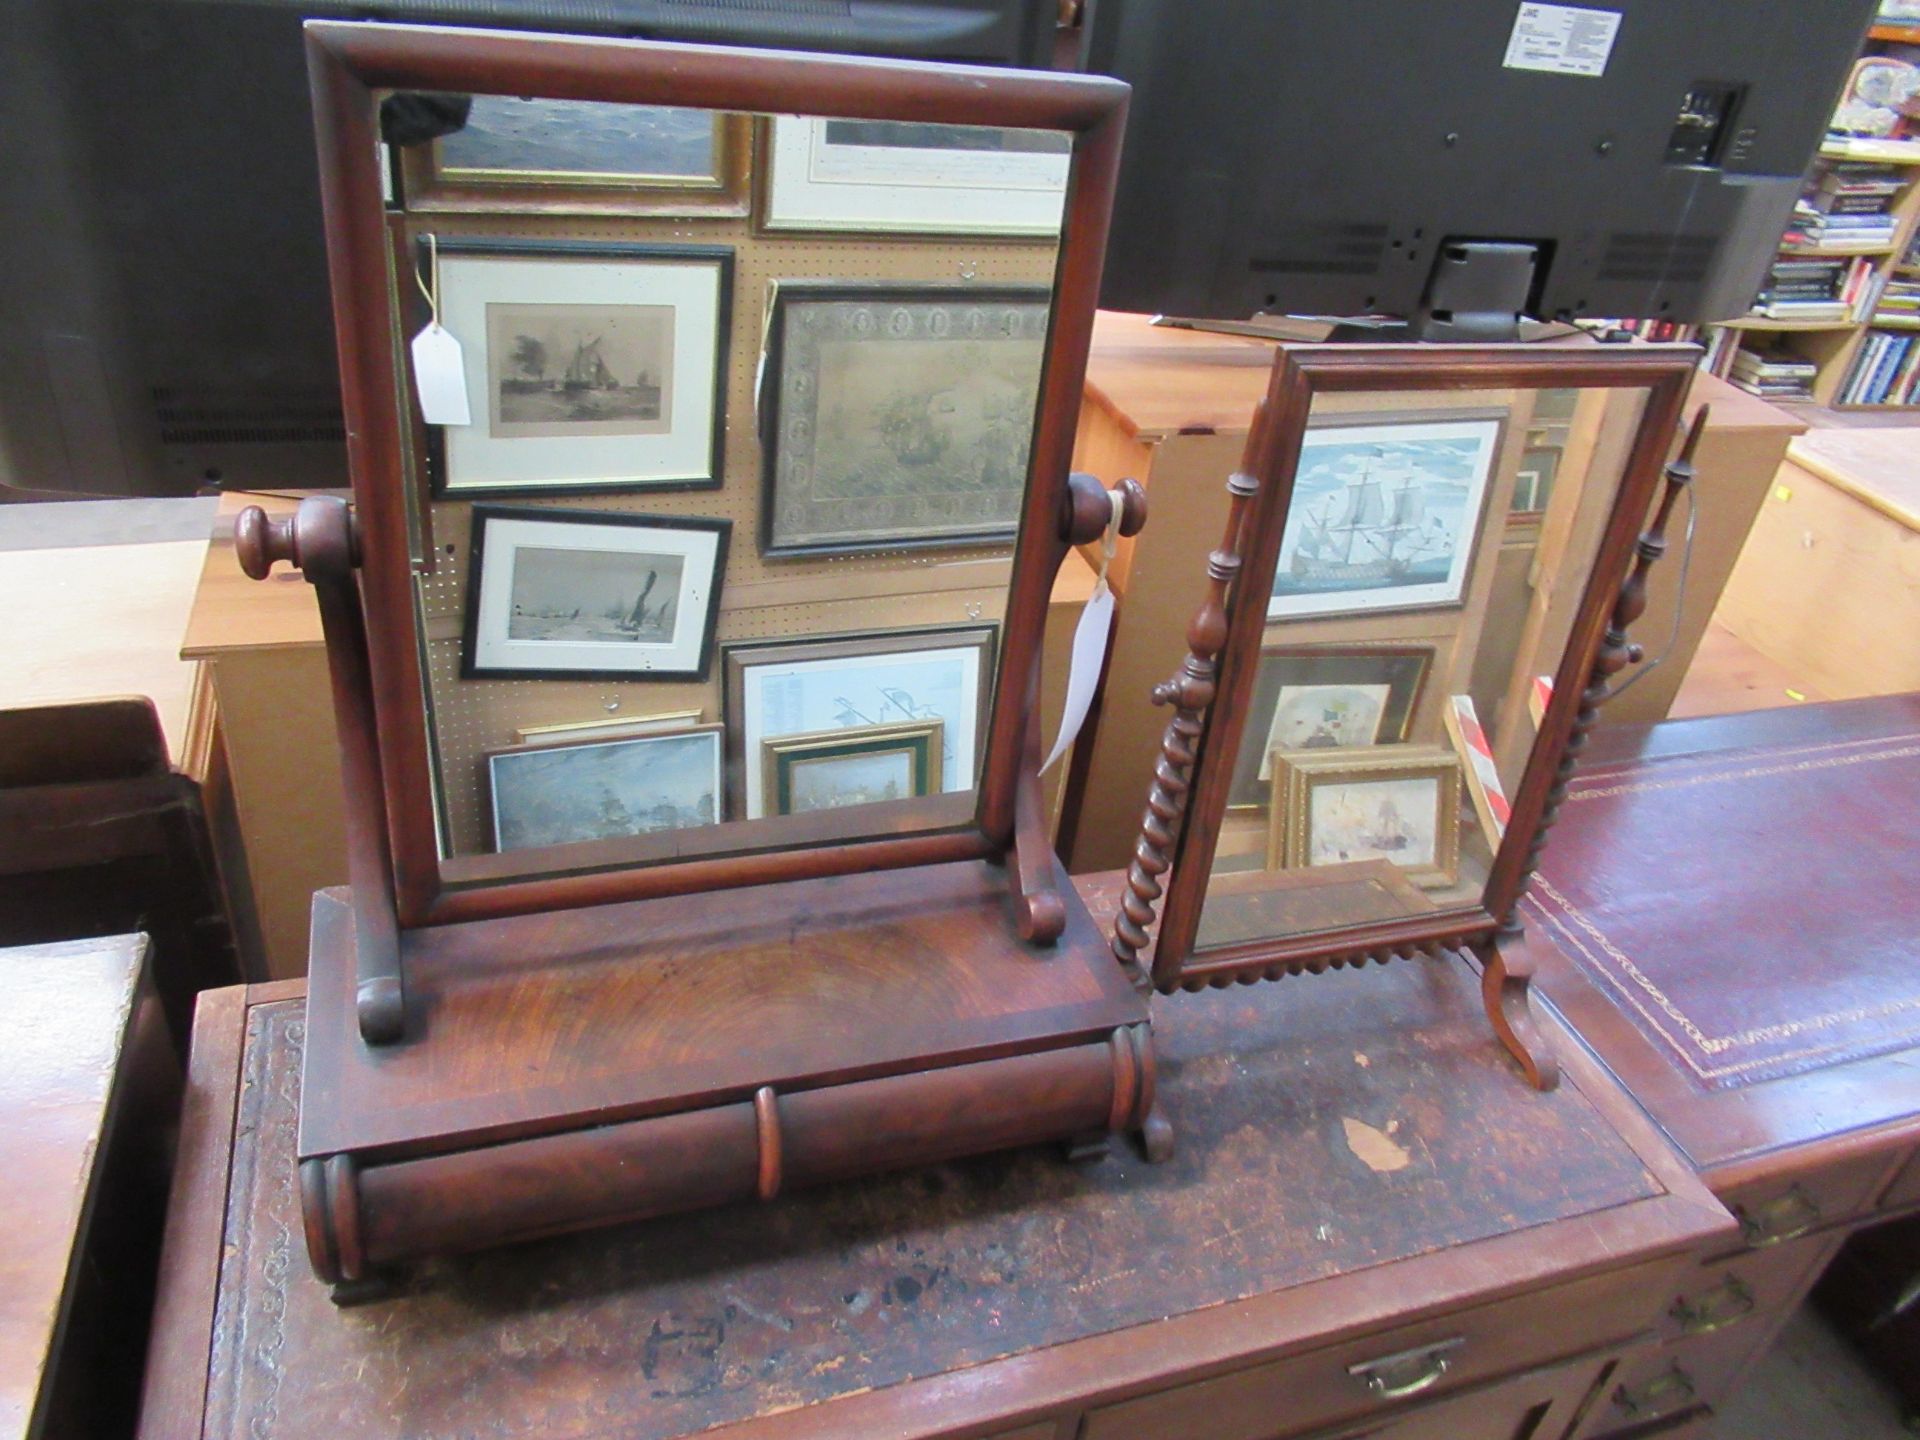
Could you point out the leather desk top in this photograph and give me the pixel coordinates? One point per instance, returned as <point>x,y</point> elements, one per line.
<point>1741,892</point>
<point>1329,1131</point>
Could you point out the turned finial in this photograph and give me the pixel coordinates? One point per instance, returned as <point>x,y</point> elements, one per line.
<point>260,539</point>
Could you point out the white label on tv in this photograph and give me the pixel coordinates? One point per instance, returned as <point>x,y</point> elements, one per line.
<point>1562,39</point>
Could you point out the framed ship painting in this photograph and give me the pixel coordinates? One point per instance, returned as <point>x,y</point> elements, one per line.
<point>1324,697</point>
<point>588,366</point>
<point>541,156</point>
<point>898,416</point>
<point>575,594</point>
<point>1384,516</point>
<point>598,789</point>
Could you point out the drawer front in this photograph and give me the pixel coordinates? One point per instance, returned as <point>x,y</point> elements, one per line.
<point>1377,1374</point>
<point>1534,1406</point>
<point>1773,1211</point>
<point>1756,1288</point>
<point>1665,1386</point>
<point>1904,1193</point>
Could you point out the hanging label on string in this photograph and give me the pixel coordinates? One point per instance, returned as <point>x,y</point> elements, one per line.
<point>1089,643</point>
<point>439,370</point>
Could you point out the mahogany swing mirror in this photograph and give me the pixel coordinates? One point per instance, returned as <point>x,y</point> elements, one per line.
<point>1430,559</point>
<point>691,733</point>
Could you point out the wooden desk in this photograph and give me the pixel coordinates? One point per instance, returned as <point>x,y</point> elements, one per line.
<point>1731,912</point>
<point>1171,408</point>
<point>85,1090</point>
<point>1363,1188</point>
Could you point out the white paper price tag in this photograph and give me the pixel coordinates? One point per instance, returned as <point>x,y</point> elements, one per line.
<point>441,377</point>
<point>1083,673</point>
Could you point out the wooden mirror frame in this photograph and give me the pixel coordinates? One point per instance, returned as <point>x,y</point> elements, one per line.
<point>1211,693</point>
<point>392,829</point>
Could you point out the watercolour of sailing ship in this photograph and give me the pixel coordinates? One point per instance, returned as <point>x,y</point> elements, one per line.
<point>1383,517</point>
<point>594,595</point>
<point>562,370</point>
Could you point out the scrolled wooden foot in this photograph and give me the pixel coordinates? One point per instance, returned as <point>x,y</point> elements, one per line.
<point>1506,989</point>
<point>1156,1136</point>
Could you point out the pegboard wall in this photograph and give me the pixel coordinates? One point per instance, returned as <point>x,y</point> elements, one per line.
<point>760,598</point>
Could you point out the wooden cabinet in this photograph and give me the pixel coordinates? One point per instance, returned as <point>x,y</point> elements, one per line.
<point>1471,1264</point>
<point>1171,409</point>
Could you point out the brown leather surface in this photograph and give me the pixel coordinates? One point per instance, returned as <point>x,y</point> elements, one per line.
<point>1324,1127</point>
<point>1745,893</point>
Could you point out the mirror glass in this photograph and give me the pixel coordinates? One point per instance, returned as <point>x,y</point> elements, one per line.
<point>1436,547</point>
<point>720,554</point>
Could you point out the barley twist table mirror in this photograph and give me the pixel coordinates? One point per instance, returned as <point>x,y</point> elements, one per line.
<point>1430,561</point>
<point>686,630</point>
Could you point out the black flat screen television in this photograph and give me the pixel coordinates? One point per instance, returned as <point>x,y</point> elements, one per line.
<point>1305,157</point>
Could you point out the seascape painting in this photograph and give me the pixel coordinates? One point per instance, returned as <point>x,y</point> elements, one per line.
<point>571,370</point>
<point>1393,819</point>
<point>1383,517</point>
<point>560,794</point>
<point>593,595</point>
<point>1315,717</point>
<point>837,781</point>
<point>555,139</point>
<point>903,420</point>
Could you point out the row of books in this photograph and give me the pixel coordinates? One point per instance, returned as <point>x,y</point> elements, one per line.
<point>1805,288</point>
<point>1899,300</point>
<point>1885,372</point>
<point>1847,205</point>
<point>1776,375</point>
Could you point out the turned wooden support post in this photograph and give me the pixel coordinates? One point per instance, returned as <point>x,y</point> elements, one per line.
<point>1190,692</point>
<point>320,540</point>
<point>1507,975</point>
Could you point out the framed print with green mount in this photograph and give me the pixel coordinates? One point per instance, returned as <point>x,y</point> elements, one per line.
<point>826,174</point>
<point>532,156</point>
<point>588,365</point>
<point>853,683</point>
<point>579,594</point>
<point>830,769</point>
<point>897,415</point>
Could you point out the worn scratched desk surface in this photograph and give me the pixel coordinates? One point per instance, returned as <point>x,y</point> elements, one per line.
<point>1353,1149</point>
<point>1785,1010</point>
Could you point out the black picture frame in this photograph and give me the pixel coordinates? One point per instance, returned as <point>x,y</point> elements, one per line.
<point>773,419</point>
<point>439,478</point>
<point>1402,668</point>
<point>486,515</point>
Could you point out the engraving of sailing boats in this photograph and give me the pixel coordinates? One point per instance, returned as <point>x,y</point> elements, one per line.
<point>1369,533</point>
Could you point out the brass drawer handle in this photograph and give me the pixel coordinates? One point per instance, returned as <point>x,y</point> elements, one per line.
<point>1785,1217</point>
<point>1393,1377</point>
<point>1666,1394</point>
<point>1726,1303</point>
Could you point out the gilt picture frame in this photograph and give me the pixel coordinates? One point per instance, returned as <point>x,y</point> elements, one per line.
<point>898,416</point>
<point>523,155</point>
<point>776,689</point>
<point>833,769</point>
<point>1398,803</point>
<point>599,789</point>
<point>584,594</point>
<point>588,365</point>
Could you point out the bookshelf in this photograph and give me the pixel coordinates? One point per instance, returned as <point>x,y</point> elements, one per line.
<point>1864,325</point>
